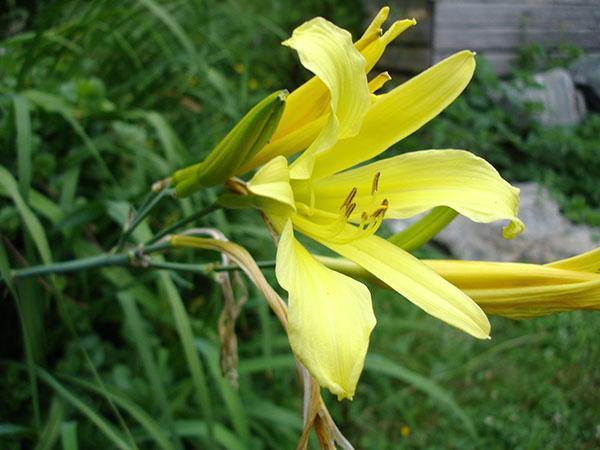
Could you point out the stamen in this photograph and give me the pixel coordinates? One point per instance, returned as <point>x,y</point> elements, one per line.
<point>349,198</point>
<point>350,210</point>
<point>375,184</point>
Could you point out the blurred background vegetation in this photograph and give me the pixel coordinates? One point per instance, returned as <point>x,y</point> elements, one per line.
<point>98,99</point>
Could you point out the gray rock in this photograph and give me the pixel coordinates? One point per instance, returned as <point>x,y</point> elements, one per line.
<point>548,235</point>
<point>561,103</point>
<point>586,75</point>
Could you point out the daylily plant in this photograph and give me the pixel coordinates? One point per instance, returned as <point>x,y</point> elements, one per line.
<point>337,122</point>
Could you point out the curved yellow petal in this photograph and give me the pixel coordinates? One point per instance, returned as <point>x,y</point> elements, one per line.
<point>328,52</point>
<point>400,112</point>
<point>272,181</point>
<point>418,283</point>
<point>418,181</point>
<point>330,317</point>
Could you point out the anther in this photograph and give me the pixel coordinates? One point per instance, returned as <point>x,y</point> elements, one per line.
<point>349,198</point>
<point>350,210</point>
<point>375,184</point>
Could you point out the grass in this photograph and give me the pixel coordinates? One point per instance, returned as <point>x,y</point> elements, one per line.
<point>100,99</point>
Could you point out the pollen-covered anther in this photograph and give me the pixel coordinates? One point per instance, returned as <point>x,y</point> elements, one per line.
<point>382,209</point>
<point>375,183</point>
<point>349,198</point>
<point>350,210</point>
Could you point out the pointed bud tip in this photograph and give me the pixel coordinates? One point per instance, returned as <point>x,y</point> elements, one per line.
<point>283,95</point>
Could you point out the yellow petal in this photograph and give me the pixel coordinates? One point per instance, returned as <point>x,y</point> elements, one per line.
<point>493,275</point>
<point>272,181</point>
<point>328,52</point>
<point>400,112</point>
<point>418,181</point>
<point>330,317</point>
<point>418,283</point>
<point>586,262</point>
<point>518,290</point>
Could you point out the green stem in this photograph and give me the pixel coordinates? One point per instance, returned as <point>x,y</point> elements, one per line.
<point>230,267</point>
<point>130,258</point>
<point>145,209</point>
<point>424,229</point>
<point>201,213</point>
<point>133,258</point>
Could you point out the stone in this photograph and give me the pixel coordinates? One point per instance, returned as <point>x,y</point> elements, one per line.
<point>586,75</point>
<point>548,235</point>
<point>560,103</point>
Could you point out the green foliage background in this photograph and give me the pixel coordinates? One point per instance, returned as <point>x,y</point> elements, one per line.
<point>99,99</point>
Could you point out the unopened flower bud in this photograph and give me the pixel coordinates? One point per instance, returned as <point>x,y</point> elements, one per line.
<point>239,145</point>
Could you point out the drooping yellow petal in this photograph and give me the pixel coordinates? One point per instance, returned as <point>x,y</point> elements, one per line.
<point>273,182</point>
<point>518,290</point>
<point>400,112</point>
<point>328,52</point>
<point>330,317</point>
<point>418,283</point>
<point>418,181</point>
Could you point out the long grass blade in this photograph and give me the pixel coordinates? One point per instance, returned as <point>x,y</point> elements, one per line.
<point>51,430</point>
<point>153,428</point>
<point>27,338</point>
<point>380,365</point>
<point>24,143</point>
<point>101,423</point>
<point>224,437</point>
<point>32,224</point>
<point>68,436</point>
<point>231,398</point>
<point>141,340</point>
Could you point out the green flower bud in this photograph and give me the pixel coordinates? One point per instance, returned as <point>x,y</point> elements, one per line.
<point>239,145</point>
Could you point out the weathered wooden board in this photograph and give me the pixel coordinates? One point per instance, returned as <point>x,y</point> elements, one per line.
<point>507,39</point>
<point>495,29</point>
<point>533,2</point>
<point>405,59</point>
<point>530,16</point>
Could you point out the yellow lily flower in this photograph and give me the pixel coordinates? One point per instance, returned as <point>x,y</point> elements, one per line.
<point>330,314</point>
<point>311,109</point>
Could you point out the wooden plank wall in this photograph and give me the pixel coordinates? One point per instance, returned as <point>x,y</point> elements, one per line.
<point>493,28</point>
